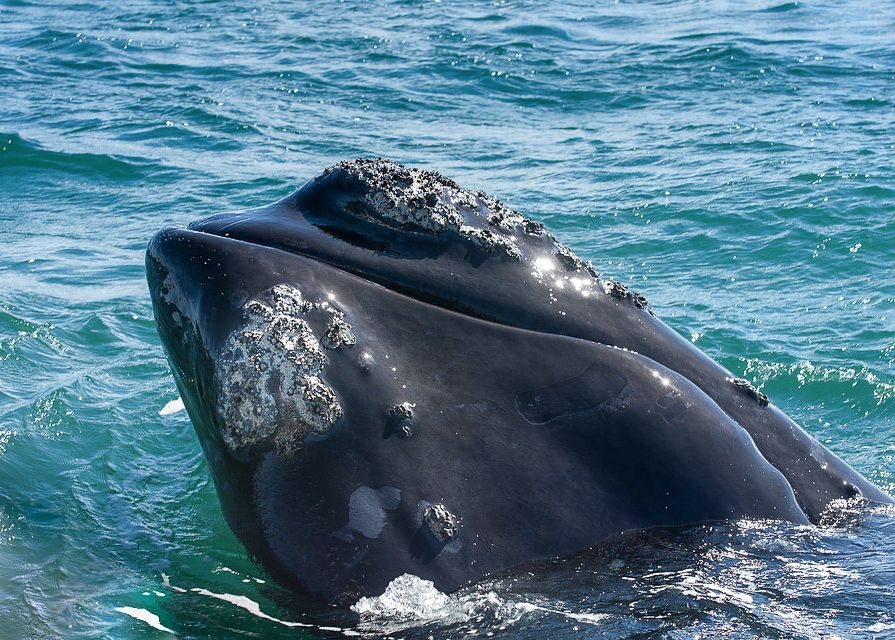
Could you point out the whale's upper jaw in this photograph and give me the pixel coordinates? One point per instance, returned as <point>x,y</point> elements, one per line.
<point>387,209</point>
<point>420,233</point>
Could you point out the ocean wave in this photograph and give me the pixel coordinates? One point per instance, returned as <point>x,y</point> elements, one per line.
<point>20,157</point>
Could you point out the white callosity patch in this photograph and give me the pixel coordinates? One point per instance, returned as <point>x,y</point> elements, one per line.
<point>169,293</point>
<point>620,292</point>
<point>338,331</point>
<point>172,296</point>
<point>443,525</point>
<point>572,262</point>
<point>750,390</point>
<point>441,522</point>
<point>400,419</point>
<point>427,202</point>
<point>269,375</point>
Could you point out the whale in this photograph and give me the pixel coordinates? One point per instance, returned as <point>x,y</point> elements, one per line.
<point>390,374</point>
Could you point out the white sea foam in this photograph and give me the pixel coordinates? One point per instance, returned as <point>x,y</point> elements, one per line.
<point>246,603</point>
<point>409,601</point>
<point>406,597</point>
<point>145,616</point>
<point>175,406</point>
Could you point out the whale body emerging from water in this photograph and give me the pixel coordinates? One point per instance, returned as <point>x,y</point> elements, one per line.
<point>390,374</point>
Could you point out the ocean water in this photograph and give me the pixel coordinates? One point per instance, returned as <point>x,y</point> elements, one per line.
<point>735,164</point>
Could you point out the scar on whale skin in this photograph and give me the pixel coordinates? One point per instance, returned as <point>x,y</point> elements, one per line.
<point>367,509</point>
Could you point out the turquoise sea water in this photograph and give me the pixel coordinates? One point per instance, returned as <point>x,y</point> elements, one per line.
<point>735,164</point>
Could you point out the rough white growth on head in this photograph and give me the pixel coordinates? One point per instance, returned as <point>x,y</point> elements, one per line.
<point>572,262</point>
<point>168,293</point>
<point>490,241</point>
<point>427,202</point>
<point>366,360</point>
<point>400,418</point>
<point>620,292</point>
<point>432,517</point>
<point>171,295</point>
<point>338,332</point>
<point>750,390</point>
<point>441,522</point>
<point>268,376</point>
<point>405,409</point>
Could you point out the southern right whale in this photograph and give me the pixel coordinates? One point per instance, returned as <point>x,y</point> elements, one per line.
<point>390,374</point>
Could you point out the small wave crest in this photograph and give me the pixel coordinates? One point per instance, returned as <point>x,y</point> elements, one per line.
<point>407,597</point>
<point>145,616</point>
<point>411,602</point>
<point>172,407</point>
<point>21,156</point>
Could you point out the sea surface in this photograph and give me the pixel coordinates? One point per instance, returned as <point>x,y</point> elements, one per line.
<point>734,163</point>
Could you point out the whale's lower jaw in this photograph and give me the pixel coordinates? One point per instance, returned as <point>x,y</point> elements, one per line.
<point>446,391</point>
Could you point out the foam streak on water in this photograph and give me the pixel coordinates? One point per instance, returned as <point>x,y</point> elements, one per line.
<point>733,163</point>
<point>146,616</point>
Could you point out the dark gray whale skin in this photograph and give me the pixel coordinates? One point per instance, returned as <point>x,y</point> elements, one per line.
<point>391,375</point>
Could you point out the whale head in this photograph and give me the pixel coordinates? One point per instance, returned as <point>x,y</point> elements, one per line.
<point>391,374</point>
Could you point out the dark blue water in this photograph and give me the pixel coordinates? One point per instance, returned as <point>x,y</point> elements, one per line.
<point>735,164</point>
